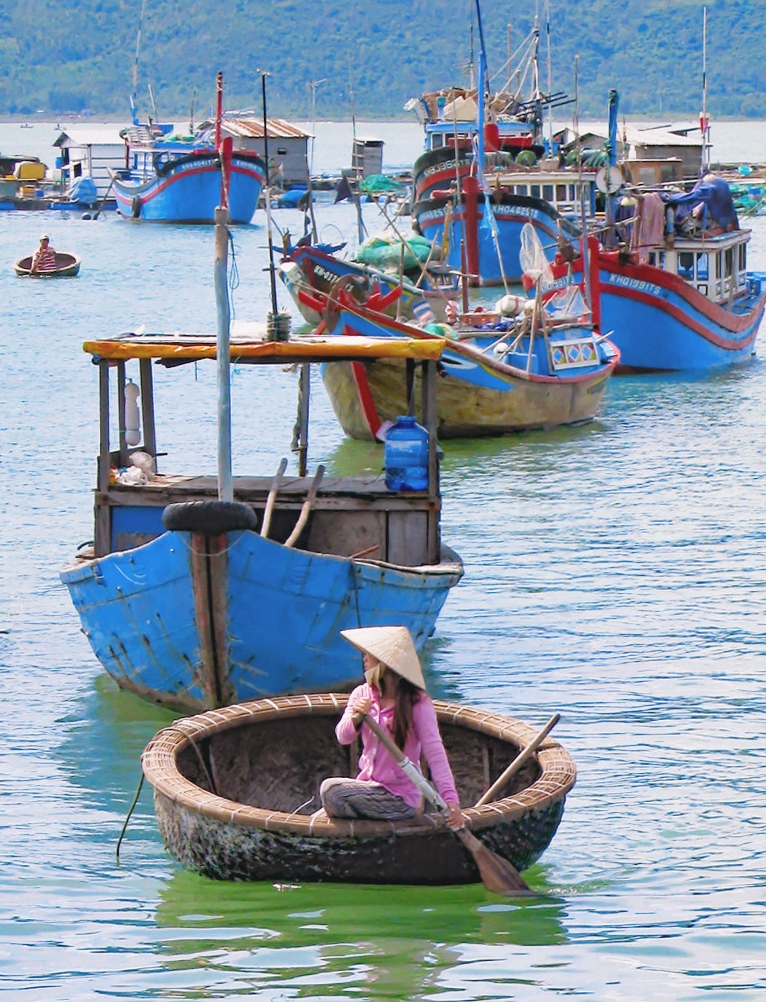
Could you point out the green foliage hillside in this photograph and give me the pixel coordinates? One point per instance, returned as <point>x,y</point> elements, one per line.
<point>371,56</point>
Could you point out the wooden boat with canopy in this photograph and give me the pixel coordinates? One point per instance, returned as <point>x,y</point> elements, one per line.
<point>235,790</point>
<point>194,602</point>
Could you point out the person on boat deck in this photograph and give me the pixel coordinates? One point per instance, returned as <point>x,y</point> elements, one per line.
<point>44,258</point>
<point>394,694</point>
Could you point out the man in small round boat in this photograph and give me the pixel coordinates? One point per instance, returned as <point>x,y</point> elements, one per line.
<point>44,258</point>
<point>393,694</point>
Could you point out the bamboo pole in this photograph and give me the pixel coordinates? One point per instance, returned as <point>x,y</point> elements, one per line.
<point>225,488</point>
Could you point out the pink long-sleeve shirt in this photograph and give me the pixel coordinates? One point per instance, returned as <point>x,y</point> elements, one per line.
<point>378,766</point>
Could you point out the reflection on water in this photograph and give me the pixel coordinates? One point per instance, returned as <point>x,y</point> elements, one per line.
<point>392,942</point>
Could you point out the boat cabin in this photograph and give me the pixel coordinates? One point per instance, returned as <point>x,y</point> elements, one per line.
<point>715,266</point>
<point>350,516</point>
<point>147,149</point>
<point>449,119</point>
<point>564,190</point>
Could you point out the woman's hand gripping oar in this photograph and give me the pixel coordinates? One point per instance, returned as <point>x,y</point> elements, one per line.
<point>497,874</point>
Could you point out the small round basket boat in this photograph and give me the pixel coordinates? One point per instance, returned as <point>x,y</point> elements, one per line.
<point>235,790</point>
<point>67,266</point>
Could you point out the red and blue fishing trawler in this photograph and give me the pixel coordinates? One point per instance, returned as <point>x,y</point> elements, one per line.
<point>676,293</point>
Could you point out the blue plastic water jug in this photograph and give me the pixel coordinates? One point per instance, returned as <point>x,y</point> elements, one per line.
<point>406,456</point>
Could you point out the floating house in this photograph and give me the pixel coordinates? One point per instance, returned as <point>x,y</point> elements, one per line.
<point>366,157</point>
<point>652,154</point>
<point>288,145</point>
<point>90,152</point>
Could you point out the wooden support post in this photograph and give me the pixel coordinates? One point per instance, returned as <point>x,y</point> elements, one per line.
<point>225,486</point>
<point>209,567</point>
<point>410,386</point>
<point>304,398</point>
<point>121,413</point>
<point>102,517</point>
<point>429,419</point>
<point>147,407</point>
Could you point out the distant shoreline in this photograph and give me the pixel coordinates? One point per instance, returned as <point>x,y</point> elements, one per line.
<point>675,117</point>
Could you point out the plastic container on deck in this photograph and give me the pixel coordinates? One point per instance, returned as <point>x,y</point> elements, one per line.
<point>406,456</point>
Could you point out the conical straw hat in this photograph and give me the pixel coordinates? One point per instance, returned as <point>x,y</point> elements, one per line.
<point>393,646</point>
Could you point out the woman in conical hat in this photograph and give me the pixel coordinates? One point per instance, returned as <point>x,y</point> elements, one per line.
<point>393,694</point>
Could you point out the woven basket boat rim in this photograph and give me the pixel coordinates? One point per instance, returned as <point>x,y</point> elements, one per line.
<point>159,764</point>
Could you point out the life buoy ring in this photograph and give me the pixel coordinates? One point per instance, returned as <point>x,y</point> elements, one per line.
<point>135,207</point>
<point>213,518</point>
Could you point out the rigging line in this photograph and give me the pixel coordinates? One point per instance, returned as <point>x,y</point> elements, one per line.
<point>234,270</point>
<point>515,56</point>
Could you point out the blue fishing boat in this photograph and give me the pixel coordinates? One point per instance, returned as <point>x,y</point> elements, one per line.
<point>479,182</point>
<point>488,224</point>
<point>173,181</point>
<point>195,602</point>
<point>677,294</point>
<point>174,178</point>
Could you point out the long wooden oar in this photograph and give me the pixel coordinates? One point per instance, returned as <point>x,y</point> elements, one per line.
<point>292,539</point>
<point>269,509</point>
<point>497,874</point>
<point>519,761</point>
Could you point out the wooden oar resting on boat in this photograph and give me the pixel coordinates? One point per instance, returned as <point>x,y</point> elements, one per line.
<point>235,790</point>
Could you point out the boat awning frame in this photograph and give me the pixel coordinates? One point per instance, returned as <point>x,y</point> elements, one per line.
<point>170,348</point>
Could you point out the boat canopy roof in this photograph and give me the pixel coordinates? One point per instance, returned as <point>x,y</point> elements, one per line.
<point>172,348</point>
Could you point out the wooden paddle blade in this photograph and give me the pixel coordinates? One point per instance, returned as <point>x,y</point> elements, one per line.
<point>497,874</point>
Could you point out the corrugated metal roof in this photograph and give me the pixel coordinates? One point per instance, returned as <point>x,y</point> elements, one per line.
<point>252,128</point>
<point>90,136</point>
<point>641,135</point>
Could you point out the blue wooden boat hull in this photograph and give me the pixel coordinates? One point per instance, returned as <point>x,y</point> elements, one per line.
<point>188,190</point>
<point>660,323</point>
<point>511,213</point>
<point>286,608</point>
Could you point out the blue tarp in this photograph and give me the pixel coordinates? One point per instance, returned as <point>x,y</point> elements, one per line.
<point>710,202</point>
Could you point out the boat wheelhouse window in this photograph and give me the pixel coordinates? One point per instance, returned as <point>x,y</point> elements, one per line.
<point>548,192</point>
<point>657,258</point>
<point>686,265</point>
<point>522,189</point>
<point>437,140</point>
<point>718,265</point>
<point>571,193</point>
<point>561,193</point>
<point>535,188</point>
<point>703,267</point>
<point>743,258</point>
<point>728,261</point>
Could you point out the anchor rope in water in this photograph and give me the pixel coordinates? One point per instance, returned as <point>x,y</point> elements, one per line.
<point>130,813</point>
<point>193,743</point>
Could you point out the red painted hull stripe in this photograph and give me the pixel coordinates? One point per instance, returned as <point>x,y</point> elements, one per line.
<point>369,410</point>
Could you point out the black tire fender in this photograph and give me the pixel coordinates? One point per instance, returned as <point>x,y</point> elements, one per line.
<point>135,207</point>
<point>213,518</point>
